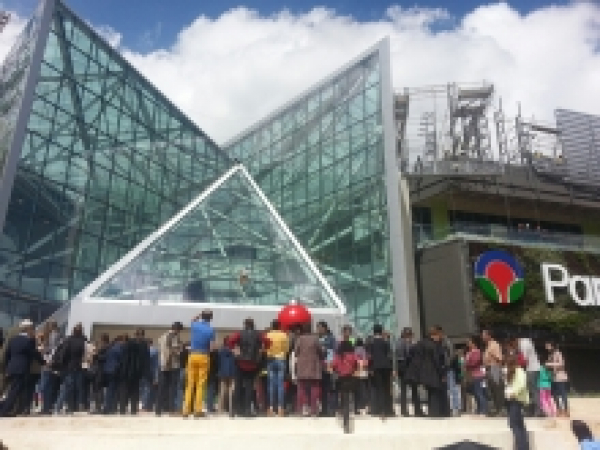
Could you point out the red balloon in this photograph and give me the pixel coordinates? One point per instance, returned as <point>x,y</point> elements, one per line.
<point>292,315</point>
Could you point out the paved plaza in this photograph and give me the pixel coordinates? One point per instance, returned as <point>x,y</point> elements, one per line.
<point>148,432</point>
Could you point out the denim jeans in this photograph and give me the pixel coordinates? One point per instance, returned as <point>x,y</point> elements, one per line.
<point>110,400</point>
<point>178,406</point>
<point>50,385</point>
<point>480,395</point>
<point>453,391</point>
<point>74,389</point>
<point>62,393</point>
<point>275,374</point>
<point>534,392</point>
<point>148,394</point>
<point>560,391</point>
<point>212,387</point>
<point>517,424</point>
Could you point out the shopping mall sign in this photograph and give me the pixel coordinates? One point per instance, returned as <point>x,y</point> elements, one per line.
<point>583,289</point>
<point>500,277</point>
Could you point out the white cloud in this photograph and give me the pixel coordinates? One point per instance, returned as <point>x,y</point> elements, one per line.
<point>110,35</point>
<point>229,72</point>
<point>10,33</point>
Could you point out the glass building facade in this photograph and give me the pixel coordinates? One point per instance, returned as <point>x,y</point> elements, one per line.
<point>321,161</point>
<point>98,160</point>
<point>228,246</point>
<point>103,161</point>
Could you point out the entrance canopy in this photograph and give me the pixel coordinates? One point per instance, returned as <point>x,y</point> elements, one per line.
<point>228,250</point>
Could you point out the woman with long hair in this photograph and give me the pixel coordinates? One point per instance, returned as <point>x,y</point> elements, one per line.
<point>476,374</point>
<point>560,379</point>
<point>517,397</point>
<point>309,355</point>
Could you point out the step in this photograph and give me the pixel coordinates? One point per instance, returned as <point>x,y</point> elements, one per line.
<point>149,433</point>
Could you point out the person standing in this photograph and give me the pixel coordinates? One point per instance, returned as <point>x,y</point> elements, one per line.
<point>226,375</point>
<point>344,365</point>
<point>19,353</point>
<point>532,361</point>
<point>328,344</point>
<point>86,377</point>
<point>276,359</point>
<point>135,366</point>
<point>308,354</point>
<point>560,379</point>
<point>198,366</point>
<point>451,401</point>
<point>212,384</point>
<point>404,352</point>
<point>476,375</point>
<point>492,360</point>
<point>150,382</point>
<point>362,377</point>
<point>427,368</point>
<point>249,344</point>
<point>184,356</point>
<point>74,354</point>
<point>517,398</point>
<point>112,374</point>
<point>170,346</point>
<point>380,354</point>
<point>545,391</point>
<point>98,379</point>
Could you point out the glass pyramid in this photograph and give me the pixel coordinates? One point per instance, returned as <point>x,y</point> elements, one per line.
<point>227,246</point>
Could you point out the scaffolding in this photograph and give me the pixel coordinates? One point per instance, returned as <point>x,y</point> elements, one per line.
<point>446,129</point>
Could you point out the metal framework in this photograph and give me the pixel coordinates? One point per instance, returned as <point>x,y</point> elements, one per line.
<point>445,130</point>
<point>185,238</point>
<point>94,159</point>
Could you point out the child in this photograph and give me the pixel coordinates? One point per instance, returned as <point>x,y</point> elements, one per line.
<point>545,386</point>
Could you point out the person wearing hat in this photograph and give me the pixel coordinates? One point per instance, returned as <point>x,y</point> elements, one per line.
<point>404,351</point>
<point>21,351</point>
<point>169,347</point>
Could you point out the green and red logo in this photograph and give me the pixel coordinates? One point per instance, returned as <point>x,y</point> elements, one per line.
<point>500,276</point>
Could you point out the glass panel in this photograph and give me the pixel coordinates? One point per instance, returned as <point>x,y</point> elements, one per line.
<point>336,161</point>
<point>99,163</point>
<point>228,249</point>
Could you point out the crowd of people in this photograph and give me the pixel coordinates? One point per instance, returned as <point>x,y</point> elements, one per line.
<point>281,373</point>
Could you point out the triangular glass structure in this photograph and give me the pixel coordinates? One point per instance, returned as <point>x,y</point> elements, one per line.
<point>228,246</point>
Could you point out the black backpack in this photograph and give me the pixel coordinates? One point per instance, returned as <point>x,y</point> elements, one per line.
<point>250,344</point>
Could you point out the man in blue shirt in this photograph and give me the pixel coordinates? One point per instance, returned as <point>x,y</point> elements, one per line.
<point>202,338</point>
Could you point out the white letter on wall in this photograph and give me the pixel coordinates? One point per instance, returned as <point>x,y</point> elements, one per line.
<point>588,296</point>
<point>596,289</point>
<point>549,283</point>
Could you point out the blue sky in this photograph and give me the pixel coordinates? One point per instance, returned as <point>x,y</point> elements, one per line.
<point>149,24</point>
<point>231,70</point>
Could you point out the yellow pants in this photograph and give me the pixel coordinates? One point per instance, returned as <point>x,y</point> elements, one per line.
<point>197,375</point>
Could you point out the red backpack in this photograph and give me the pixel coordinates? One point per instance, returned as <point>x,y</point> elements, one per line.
<point>345,365</point>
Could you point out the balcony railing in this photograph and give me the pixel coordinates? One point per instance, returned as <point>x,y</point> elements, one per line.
<point>425,235</point>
